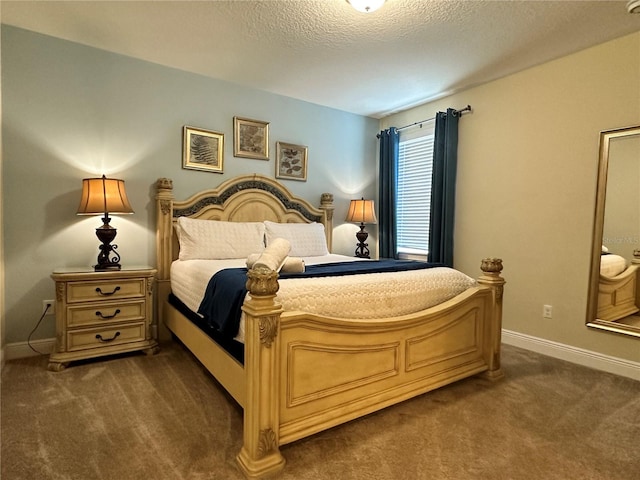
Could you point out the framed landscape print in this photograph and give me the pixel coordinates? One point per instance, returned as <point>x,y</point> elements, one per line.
<point>250,138</point>
<point>291,161</point>
<point>202,150</point>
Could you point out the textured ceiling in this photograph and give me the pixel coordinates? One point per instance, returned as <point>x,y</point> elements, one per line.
<point>325,52</point>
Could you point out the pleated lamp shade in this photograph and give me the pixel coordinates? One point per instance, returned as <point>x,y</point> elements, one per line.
<point>361,211</point>
<point>103,195</point>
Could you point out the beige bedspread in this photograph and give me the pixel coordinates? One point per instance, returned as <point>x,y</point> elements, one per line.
<point>366,296</point>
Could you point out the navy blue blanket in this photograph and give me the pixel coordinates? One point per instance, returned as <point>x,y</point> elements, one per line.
<point>225,293</point>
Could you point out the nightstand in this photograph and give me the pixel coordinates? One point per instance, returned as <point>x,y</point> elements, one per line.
<point>102,313</point>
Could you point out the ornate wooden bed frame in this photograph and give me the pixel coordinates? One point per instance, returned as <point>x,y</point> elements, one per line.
<point>305,373</point>
<point>618,296</point>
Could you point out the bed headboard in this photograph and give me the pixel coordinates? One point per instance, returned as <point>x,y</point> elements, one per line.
<point>247,198</point>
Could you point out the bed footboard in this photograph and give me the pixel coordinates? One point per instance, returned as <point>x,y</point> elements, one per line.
<point>617,295</point>
<point>306,373</point>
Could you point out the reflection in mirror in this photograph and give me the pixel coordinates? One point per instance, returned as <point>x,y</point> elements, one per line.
<point>614,285</point>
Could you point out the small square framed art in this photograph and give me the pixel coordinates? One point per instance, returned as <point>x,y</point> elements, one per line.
<point>291,161</point>
<point>250,138</point>
<point>202,150</point>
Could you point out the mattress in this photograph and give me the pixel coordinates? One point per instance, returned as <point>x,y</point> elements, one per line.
<point>612,265</point>
<point>367,296</point>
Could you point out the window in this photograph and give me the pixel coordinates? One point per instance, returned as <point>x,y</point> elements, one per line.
<point>413,203</point>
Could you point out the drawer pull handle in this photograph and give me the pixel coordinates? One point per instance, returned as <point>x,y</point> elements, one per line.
<point>99,337</point>
<point>107,317</point>
<point>106,294</point>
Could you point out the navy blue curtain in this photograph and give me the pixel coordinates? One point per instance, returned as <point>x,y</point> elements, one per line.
<point>443,188</point>
<point>387,195</point>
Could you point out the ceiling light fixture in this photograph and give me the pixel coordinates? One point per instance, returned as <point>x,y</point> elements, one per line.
<point>633,6</point>
<point>366,6</point>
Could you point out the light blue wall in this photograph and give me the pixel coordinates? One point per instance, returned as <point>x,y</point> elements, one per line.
<point>71,111</point>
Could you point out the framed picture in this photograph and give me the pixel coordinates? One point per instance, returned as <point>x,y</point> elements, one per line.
<point>291,162</point>
<point>250,138</point>
<point>202,150</point>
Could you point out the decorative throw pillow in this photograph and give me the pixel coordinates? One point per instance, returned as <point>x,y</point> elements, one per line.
<point>306,239</point>
<point>216,240</point>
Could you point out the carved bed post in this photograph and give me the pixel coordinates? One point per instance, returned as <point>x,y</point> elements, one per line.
<point>260,455</point>
<point>491,269</point>
<point>326,204</point>
<point>164,218</point>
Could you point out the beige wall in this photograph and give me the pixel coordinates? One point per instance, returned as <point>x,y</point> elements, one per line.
<point>1,235</point>
<point>528,157</point>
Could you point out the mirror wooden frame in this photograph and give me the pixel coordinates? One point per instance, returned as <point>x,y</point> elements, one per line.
<point>598,231</point>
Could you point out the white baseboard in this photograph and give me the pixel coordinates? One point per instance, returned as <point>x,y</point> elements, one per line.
<point>587,358</point>
<point>22,350</point>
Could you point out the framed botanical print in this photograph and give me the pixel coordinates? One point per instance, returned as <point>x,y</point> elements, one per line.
<point>202,150</point>
<point>250,138</point>
<point>291,161</point>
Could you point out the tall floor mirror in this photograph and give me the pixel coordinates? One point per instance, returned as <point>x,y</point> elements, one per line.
<point>614,284</point>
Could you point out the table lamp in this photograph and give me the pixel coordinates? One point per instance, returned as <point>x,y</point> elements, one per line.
<point>102,196</point>
<point>362,211</point>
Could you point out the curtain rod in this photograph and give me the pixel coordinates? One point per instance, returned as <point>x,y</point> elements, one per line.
<point>455,112</point>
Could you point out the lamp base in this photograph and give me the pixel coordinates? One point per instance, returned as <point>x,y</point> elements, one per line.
<point>107,267</point>
<point>362,251</point>
<point>108,258</point>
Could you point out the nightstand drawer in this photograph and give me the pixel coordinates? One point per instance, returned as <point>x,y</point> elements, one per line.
<point>105,290</point>
<point>101,337</point>
<point>106,312</point>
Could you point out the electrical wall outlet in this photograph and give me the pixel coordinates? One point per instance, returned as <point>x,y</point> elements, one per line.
<point>52,306</point>
<point>547,311</point>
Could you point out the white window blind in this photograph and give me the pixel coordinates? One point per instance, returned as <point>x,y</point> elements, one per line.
<point>413,202</point>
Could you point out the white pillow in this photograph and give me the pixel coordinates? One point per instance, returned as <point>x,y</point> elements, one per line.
<point>306,239</point>
<point>216,240</point>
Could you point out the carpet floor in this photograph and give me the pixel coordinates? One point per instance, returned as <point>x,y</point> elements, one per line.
<point>165,418</point>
